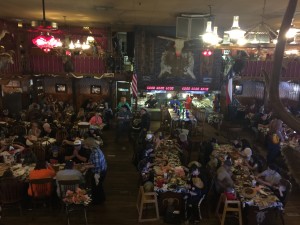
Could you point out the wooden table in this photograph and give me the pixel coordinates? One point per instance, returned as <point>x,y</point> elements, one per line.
<point>262,201</point>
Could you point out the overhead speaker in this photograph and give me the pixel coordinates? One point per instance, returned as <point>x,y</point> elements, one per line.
<point>190,27</point>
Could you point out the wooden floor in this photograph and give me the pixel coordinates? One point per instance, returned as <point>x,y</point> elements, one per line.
<point>121,187</point>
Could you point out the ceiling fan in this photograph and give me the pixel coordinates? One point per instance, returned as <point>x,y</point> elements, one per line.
<point>43,25</point>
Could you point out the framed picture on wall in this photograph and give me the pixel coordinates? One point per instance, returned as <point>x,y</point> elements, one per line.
<point>95,89</point>
<point>61,88</point>
<point>238,89</point>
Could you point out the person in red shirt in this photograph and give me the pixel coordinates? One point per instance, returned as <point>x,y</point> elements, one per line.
<point>96,120</point>
<point>41,170</point>
<point>188,102</point>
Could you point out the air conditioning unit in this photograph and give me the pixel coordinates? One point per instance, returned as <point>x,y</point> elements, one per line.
<point>190,26</point>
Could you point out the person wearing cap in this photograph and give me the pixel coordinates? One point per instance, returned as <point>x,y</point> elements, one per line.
<point>196,186</point>
<point>123,122</point>
<point>78,154</point>
<point>69,173</point>
<point>151,102</point>
<point>224,180</point>
<point>97,170</point>
<point>96,120</point>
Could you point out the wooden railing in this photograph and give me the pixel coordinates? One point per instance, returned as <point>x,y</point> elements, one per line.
<point>253,69</point>
<point>51,64</point>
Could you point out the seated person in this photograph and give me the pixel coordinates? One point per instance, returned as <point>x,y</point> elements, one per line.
<point>69,173</point>
<point>261,120</point>
<point>11,149</point>
<point>28,156</point>
<point>34,131</point>
<point>269,177</point>
<point>78,154</point>
<point>94,133</point>
<point>48,131</point>
<point>254,164</point>
<point>96,120</point>
<point>224,181</point>
<point>246,153</point>
<point>42,170</point>
<point>281,190</point>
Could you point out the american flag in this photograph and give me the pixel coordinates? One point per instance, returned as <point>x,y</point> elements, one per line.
<point>230,76</point>
<point>134,85</point>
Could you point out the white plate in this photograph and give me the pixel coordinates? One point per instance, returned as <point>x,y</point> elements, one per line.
<point>83,123</point>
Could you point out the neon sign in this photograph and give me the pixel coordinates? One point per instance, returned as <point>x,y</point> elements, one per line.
<point>172,88</point>
<point>194,88</point>
<point>161,88</point>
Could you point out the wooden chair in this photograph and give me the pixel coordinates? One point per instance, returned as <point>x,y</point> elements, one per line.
<point>64,186</point>
<point>41,190</point>
<point>39,151</point>
<point>229,206</point>
<point>199,206</point>
<point>11,193</point>
<point>288,186</point>
<point>144,199</point>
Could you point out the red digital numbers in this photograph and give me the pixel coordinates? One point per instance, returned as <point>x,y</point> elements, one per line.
<point>169,88</point>
<point>150,87</point>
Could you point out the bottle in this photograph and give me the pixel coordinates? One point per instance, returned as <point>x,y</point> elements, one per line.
<point>187,113</point>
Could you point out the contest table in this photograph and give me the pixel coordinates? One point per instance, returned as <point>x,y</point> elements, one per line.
<point>256,200</point>
<point>170,177</point>
<point>180,121</point>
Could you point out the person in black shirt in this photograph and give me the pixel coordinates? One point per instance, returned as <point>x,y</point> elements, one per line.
<point>48,131</point>
<point>145,123</point>
<point>151,103</point>
<point>78,154</point>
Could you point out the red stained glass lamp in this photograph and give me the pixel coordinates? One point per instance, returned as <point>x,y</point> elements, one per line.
<point>46,42</point>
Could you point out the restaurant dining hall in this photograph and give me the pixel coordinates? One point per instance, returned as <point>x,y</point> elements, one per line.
<point>137,112</point>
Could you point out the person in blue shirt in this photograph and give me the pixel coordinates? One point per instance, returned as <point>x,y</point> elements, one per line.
<point>98,168</point>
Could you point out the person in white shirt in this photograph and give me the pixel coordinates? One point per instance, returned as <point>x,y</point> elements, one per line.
<point>269,177</point>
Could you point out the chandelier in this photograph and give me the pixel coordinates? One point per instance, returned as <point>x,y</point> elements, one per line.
<point>46,41</point>
<point>236,34</point>
<point>211,36</point>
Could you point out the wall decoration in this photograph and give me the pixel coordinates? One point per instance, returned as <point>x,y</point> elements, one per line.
<point>95,89</point>
<point>61,88</point>
<point>238,89</point>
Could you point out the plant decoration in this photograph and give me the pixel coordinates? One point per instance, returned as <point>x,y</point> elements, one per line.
<point>77,197</point>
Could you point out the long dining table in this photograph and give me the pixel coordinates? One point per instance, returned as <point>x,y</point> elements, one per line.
<point>258,200</point>
<point>179,121</point>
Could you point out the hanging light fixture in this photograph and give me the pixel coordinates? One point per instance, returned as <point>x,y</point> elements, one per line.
<point>261,33</point>
<point>46,42</point>
<point>210,36</point>
<point>291,33</point>
<point>235,33</point>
